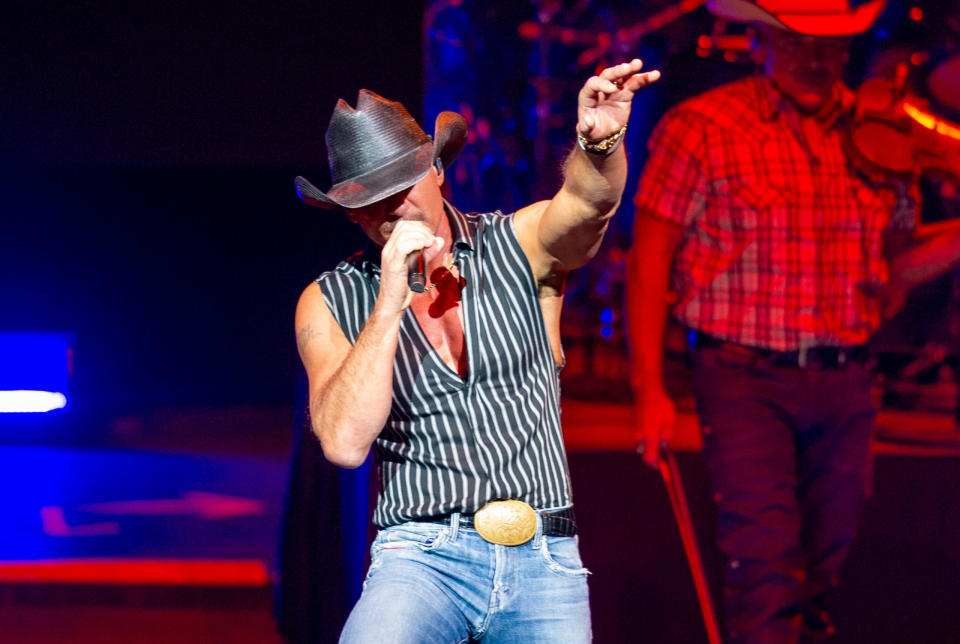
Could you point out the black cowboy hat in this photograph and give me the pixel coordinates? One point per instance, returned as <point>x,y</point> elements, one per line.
<point>377,150</point>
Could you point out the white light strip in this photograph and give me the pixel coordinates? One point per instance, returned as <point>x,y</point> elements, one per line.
<point>25,401</point>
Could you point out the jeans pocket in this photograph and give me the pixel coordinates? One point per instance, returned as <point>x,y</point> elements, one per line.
<point>397,540</point>
<point>376,557</point>
<point>562,556</point>
<point>422,536</point>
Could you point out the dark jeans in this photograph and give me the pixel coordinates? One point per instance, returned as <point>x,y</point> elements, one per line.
<point>788,450</point>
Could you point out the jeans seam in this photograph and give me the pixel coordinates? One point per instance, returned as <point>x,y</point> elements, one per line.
<point>454,527</point>
<point>497,551</point>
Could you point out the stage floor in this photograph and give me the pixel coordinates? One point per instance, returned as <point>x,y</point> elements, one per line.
<point>112,531</point>
<point>207,517</point>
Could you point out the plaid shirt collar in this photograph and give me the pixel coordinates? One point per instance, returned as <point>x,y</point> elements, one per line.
<point>771,102</point>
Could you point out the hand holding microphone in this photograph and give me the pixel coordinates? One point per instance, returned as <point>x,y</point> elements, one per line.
<point>405,262</point>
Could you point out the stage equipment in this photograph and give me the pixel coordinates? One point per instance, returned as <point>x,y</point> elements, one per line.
<point>34,371</point>
<point>893,134</point>
<point>681,512</point>
<point>602,44</point>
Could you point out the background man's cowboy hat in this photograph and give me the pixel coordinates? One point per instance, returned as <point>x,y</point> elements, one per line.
<point>810,17</point>
<point>377,150</point>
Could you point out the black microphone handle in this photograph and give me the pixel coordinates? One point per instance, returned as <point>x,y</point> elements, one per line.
<point>416,278</point>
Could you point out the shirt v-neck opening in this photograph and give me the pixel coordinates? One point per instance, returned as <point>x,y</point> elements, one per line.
<point>435,355</point>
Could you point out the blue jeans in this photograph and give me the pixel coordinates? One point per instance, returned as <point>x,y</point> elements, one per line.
<point>443,584</point>
<point>788,450</point>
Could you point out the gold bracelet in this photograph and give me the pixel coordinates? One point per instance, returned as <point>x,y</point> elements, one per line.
<point>605,146</point>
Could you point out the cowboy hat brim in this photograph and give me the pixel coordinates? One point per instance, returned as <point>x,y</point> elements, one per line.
<point>397,175</point>
<point>822,18</point>
<point>371,187</point>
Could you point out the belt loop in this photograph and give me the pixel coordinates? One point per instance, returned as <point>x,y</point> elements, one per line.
<point>454,526</point>
<point>802,354</point>
<point>538,535</point>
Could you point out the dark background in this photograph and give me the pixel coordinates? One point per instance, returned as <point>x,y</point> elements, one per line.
<point>147,156</point>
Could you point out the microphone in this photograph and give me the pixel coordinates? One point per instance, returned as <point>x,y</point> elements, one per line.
<point>416,277</point>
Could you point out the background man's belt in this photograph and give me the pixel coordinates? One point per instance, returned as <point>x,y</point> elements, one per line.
<point>808,357</point>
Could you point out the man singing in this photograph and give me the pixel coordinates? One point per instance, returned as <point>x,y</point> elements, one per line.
<point>455,385</point>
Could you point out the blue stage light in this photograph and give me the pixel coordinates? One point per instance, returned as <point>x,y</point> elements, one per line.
<point>34,371</point>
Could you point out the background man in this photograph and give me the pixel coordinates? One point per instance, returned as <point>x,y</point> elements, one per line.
<point>778,250</point>
<point>455,387</point>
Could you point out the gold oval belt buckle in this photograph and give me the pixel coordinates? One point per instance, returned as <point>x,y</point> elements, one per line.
<point>507,523</point>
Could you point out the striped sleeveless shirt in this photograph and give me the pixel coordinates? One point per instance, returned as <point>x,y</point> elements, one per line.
<point>451,444</point>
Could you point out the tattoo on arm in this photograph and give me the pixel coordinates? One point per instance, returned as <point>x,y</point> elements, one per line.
<point>304,336</point>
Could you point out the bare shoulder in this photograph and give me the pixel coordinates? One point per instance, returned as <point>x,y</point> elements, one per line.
<point>526,223</point>
<point>529,215</point>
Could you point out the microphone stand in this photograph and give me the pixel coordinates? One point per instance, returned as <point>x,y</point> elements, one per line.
<point>681,512</point>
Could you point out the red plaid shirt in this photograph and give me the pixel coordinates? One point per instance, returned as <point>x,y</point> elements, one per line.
<point>782,245</point>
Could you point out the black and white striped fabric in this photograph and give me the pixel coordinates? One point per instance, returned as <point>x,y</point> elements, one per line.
<point>452,444</point>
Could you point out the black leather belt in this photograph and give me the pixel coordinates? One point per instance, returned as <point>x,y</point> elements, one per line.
<point>556,523</point>
<point>807,358</point>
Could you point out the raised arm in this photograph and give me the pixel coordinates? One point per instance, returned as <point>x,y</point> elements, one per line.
<point>565,232</point>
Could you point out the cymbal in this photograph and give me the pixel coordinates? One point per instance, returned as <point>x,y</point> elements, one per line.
<point>944,83</point>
